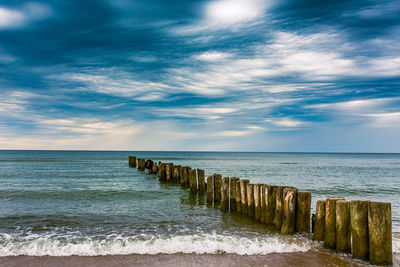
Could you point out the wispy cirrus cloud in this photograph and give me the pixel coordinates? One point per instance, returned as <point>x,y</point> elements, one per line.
<point>208,75</point>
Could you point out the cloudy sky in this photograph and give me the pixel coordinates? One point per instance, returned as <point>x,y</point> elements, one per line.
<point>221,75</point>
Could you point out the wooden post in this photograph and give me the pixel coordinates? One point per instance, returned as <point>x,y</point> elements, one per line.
<point>270,201</point>
<point>185,174</point>
<point>138,164</point>
<point>174,174</point>
<point>154,168</point>
<point>278,207</point>
<point>359,229</point>
<point>343,226</point>
<point>160,171</point>
<point>225,194</point>
<point>238,196</point>
<point>132,161</point>
<point>262,203</point>
<point>217,188</point>
<point>168,173</point>
<point>202,183</point>
<point>330,223</point>
<point>303,212</point>
<point>250,200</point>
<point>148,164</point>
<point>319,222</point>
<point>180,171</point>
<point>141,164</point>
<point>313,216</point>
<point>179,167</point>
<point>289,210</point>
<point>164,173</point>
<point>380,233</point>
<point>232,193</point>
<point>243,196</point>
<point>257,201</point>
<point>193,181</point>
<point>210,187</point>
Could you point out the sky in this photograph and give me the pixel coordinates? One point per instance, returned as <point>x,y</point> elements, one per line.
<point>219,75</point>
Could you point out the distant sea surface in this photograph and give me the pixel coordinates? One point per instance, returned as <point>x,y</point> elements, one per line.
<point>64,203</point>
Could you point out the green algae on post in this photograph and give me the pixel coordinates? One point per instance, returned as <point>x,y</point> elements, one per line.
<point>319,222</point>
<point>303,212</point>
<point>359,229</point>
<point>343,243</point>
<point>225,194</point>
<point>380,233</point>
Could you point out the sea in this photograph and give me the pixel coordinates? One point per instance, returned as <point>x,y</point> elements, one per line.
<point>89,203</point>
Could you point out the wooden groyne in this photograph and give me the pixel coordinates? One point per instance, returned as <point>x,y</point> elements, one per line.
<point>362,228</point>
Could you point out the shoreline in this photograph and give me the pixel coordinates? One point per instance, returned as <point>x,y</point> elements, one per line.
<point>310,258</point>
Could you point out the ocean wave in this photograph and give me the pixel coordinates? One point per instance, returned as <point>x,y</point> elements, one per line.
<point>35,245</point>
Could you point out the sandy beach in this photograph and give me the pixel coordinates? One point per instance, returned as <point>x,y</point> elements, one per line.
<point>312,258</point>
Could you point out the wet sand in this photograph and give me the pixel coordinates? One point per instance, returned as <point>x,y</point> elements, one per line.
<point>311,258</point>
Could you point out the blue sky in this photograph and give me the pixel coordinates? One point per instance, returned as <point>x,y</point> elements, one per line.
<point>221,75</point>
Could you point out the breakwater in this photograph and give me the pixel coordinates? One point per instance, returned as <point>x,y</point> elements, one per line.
<point>362,228</point>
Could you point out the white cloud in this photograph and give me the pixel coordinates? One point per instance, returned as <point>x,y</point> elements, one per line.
<point>286,122</point>
<point>14,18</point>
<point>112,82</point>
<point>203,112</point>
<point>213,56</point>
<point>248,130</point>
<point>227,12</point>
<point>6,58</point>
<point>357,106</point>
<point>385,120</point>
<point>10,18</point>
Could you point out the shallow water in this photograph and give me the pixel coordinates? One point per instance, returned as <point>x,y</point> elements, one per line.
<point>91,203</point>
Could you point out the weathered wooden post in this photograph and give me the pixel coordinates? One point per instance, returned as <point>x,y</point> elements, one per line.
<point>202,183</point>
<point>343,226</point>
<point>257,201</point>
<point>138,163</point>
<point>141,164</point>
<point>185,173</point>
<point>148,164</point>
<point>262,203</point>
<point>154,167</point>
<point>359,229</point>
<point>270,201</point>
<point>243,196</point>
<point>193,181</point>
<point>217,188</point>
<point>330,223</point>
<point>168,173</point>
<point>319,222</point>
<point>225,194</point>
<point>250,200</point>
<point>313,216</point>
<point>380,233</point>
<point>210,187</point>
<point>132,161</point>
<point>160,171</point>
<point>179,174</point>
<point>238,196</point>
<point>174,174</point>
<point>303,212</point>
<point>232,193</point>
<point>180,171</point>
<point>278,207</point>
<point>289,210</point>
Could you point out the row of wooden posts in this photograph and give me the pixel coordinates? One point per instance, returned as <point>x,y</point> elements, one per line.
<point>362,228</point>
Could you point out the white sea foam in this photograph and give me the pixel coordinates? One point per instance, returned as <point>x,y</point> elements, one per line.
<point>117,245</point>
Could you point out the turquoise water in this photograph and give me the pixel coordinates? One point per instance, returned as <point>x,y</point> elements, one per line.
<point>92,203</point>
